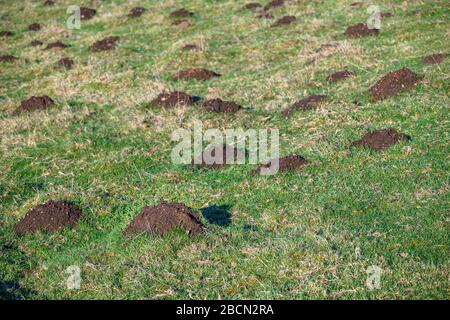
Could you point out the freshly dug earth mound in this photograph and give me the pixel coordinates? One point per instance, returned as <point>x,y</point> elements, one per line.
<point>34,27</point>
<point>35,103</point>
<point>181,13</point>
<point>274,4</point>
<point>284,20</point>
<point>190,47</point>
<point>252,6</point>
<point>218,105</point>
<point>360,30</point>
<point>6,34</point>
<point>208,157</point>
<point>393,83</point>
<point>136,12</point>
<point>36,43</point>
<point>169,100</point>
<point>434,58</point>
<point>49,217</point>
<point>181,24</point>
<point>87,13</point>
<point>106,44</point>
<point>291,162</point>
<point>66,63</point>
<point>56,45</point>
<point>195,73</point>
<point>7,58</point>
<point>311,102</point>
<point>380,139</point>
<point>340,75</point>
<point>162,218</point>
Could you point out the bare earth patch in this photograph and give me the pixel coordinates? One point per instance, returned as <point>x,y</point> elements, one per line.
<point>218,105</point>
<point>380,139</point>
<point>164,217</point>
<point>195,73</point>
<point>87,13</point>
<point>360,30</point>
<point>66,63</point>
<point>6,33</point>
<point>252,6</point>
<point>34,27</point>
<point>181,13</point>
<point>309,103</point>
<point>434,58</point>
<point>169,100</point>
<point>190,47</point>
<point>49,217</point>
<point>136,12</point>
<point>8,58</point>
<point>284,21</point>
<point>291,162</point>
<point>35,103</point>
<point>106,44</point>
<point>340,75</point>
<point>274,4</point>
<point>181,24</point>
<point>394,83</point>
<point>56,45</point>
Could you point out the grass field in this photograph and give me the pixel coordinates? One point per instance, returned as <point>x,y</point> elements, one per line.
<point>310,234</point>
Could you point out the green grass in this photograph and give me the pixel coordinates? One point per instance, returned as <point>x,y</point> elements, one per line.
<point>293,235</point>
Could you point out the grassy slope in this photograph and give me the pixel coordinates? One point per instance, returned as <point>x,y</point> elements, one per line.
<point>293,235</point>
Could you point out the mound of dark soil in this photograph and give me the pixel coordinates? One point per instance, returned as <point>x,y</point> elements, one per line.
<point>208,157</point>
<point>7,58</point>
<point>181,24</point>
<point>360,30</point>
<point>136,12</point>
<point>263,14</point>
<point>218,105</point>
<point>164,217</point>
<point>393,83</point>
<point>380,139</point>
<point>434,58</point>
<point>195,73</point>
<point>34,27</point>
<point>106,44</point>
<point>291,162</point>
<point>252,6</point>
<point>311,102</point>
<point>190,47</point>
<point>274,4</point>
<point>169,100</point>
<point>181,13</point>
<point>35,103</point>
<point>87,13</point>
<point>49,3</point>
<point>340,75</point>
<point>66,63</point>
<point>386,14</point>
<point>56,45</point>
<point>49,217</point>
<point>284,20</point>
<point>6,33</point>
<point>36,43</point>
